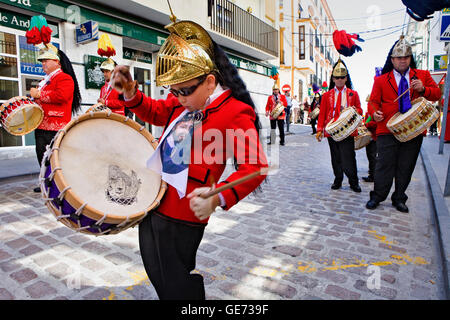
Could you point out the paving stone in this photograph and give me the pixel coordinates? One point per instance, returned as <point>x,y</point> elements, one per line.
<point>40,290</point>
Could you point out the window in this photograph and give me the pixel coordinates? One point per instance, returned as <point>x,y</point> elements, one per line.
<point>9,82</point>
<point>301,42</point>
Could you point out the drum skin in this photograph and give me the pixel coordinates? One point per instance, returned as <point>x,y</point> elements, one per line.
<point>94,177</point>
<point>21,115</point>
<point>345,125</point>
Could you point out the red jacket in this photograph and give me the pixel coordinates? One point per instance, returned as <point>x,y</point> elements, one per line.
<point>112,101</point>
<point>271,104</point>
<point>327,108</point>
<point>221,118</point>
<point>56,100</point>
<point>385,91</point>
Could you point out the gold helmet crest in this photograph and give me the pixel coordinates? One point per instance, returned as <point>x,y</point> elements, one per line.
<point>340,70</point>
<point>186,54</point>
<point>402,48</point>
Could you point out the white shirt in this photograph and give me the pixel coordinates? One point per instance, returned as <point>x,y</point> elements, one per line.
<point>398,77</point>
<point>47,78</point>
<point>344,97</point>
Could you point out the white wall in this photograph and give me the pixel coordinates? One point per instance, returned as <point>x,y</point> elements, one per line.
<point>76,52</point>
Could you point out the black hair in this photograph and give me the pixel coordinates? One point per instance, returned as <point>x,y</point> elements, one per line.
<point>66,67</point>
<point>348,83</point>
<point>228,76</point>
<point>388,66</point>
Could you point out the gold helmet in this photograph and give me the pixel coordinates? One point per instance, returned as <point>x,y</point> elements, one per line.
<point>402,48</point>
<point>186,54</point>
<point>48,52</point>
<point>275,86</point>
<point>108,64</point>
<point>340,70</point>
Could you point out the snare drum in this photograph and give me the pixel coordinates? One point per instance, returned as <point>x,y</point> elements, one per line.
<point>363,138</point>
<point>20,115</point>
<point>94,177</point>
<point>345,125</point>
<point>98,107</point>
<point>415,121</point>
<point>315,113</point>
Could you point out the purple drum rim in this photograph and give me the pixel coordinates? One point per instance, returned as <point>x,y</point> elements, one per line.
<point>67,209</point>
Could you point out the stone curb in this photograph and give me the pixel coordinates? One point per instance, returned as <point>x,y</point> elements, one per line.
<point>442,217</point>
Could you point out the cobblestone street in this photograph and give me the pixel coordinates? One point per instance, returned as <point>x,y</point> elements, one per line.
<point>298,239</point>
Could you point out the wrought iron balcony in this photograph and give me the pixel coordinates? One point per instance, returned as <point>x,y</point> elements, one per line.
<point>234,22</point>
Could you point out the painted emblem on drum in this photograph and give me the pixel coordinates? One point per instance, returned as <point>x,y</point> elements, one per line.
<point>122,188</point>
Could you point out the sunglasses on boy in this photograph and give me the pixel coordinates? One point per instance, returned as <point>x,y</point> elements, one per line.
<point>340,77</point>
<point>188,90</point>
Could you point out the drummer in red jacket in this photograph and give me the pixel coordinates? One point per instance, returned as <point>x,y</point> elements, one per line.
<point>340,96</point>
<point>58,95</point>
<point>208,92</point>
<point>108,95</point>
<point>397,159</point>
<point>272,101</point>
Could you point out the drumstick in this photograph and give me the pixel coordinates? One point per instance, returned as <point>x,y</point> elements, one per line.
<point>407,90</point>
<point>230,185</point>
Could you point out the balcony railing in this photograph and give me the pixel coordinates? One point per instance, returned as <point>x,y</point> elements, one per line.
<point>234,22</point>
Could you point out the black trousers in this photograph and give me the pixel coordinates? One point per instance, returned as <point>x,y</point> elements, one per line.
<point>371,152</point>
<point>168,251</point>
<point>343,160</point>
<point>313,125</point>
<point>43,138</point>
<point>288,117</point>
<point>273,126</point>
<point>396,160</point>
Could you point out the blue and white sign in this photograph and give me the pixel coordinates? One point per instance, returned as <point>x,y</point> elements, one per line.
<point>87,31</point>
<point>444,34</point>
<point>28,58</point>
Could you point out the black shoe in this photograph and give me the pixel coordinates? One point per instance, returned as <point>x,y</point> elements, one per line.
<point>400,206</point>
<point>281,144</point>
<point>37,189</point>
<point>368,179</point>
<point>372,204</point>
<point>356,188</point>
<point>336,186</point>
<point>269,142</point>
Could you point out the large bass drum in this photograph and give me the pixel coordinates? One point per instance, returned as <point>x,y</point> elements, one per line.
<point>94,177</point>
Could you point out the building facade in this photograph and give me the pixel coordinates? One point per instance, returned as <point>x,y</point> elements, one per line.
<point>307,53</point>
<point>244,29</point>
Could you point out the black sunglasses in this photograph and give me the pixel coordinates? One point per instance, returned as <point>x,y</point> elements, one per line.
<point>340,77</point>
<point>188,90</point>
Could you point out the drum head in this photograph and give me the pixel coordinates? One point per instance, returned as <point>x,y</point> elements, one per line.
<point>104,163</point>
<point>24,119</point>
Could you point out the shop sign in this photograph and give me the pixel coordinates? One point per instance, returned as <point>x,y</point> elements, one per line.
<point>92,72</point>
<point>21,22</point>
<point>87,32</point>
<point>248,65</point>
<point>132,54</point>
<point>440,62</point>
